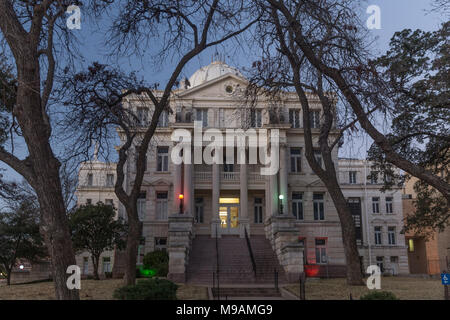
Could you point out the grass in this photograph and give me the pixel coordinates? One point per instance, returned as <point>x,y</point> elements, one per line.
<point>90,290</point>
<point>405,288</point>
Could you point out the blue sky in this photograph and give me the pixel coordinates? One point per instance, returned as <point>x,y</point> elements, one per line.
<point>395,16</point>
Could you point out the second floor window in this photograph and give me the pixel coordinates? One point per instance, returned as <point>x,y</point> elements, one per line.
<point>109,180</point>
<point>352,177</point>
<point>161,205</point>
<point>294,118</point>
<point>296,159</point>
<point>375,205</point>
<point>373,177</point>
<point>314,116</point>
<point>318,204</point>
<point>318,157</point>
<point>90,180</point>
<point>258,210</point>
<point>389,207</point>
<point>297,205</point>
<point>142,116</point>
<point>202,115</point>
<point>141,205</point>
<point>163,120</point>
<point>391,235</point>
<point>378,240</point>
<point>255,118</point>
<point>162,159</point>
<point>199,210</point>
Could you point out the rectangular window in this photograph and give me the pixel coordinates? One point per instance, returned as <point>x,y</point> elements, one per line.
<point>202,115</point>
<point>256,118</point>
<point>88,201</point>
<point>321,251</point>
<point>163,120</point>
<point>314,118</point>
<point>199,210</point>
<point>319,213</point>
<point>161,205</point>
<point>389,207</point>
<point>296,159</point>
<point>106,264</point>
<point>378,240</point>
<point>227,167</point>
<point>161,244</point>
<point>142,116</point>
<point>110,180</point>
<point>85,265</point>
<point>141,205</point>
<point>352,177</point>
<point>162,159</point>
<point>411,245</point>
<point>380,263</point>
<point>221,119</point>
<point>294,118</point>
<point>90,180</point>
<point>375,205</point>
<point>373,177</point>
<point>391,235</point>
<point>258,210</point>
<point>297,205</point>
<point>318,157</point>
<point>109,202</point>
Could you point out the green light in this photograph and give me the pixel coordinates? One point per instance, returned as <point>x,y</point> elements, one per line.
<point>281,197</point>
<point>147,272</point>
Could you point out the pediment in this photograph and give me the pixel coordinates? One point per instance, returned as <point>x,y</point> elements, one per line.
<point>217,88</point>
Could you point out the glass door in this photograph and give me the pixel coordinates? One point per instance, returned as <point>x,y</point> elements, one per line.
<point>229,219</point>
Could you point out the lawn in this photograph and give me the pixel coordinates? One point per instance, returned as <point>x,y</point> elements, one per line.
<point>90,290</point>
<point>405,288</point>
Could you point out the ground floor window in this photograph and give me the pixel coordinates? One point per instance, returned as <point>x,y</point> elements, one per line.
<point>199,210</point>
<point>380,263</point>
<point>321,251</point>
<point>160,243</point>
<point>106,264</point>
<point>258,210</point>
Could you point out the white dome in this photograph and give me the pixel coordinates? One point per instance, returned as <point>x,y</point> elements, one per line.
<point>212,71</point>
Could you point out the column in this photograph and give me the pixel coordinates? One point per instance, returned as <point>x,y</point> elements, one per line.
<point>273,192</point>
<point>283,178</point>
<point>215,220</point>
<point>177,187</point>
<point>188,188</point>
<point>243,214</point>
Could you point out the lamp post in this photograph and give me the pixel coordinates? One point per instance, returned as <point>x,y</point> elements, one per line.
<point>281,197</point>
<point>181,197</point>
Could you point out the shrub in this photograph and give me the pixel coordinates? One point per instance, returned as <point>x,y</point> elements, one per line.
<point>149,289</point>
<point>157,260</point>
<point>379,295</point>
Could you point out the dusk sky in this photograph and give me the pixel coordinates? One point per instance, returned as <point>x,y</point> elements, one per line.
<point>395,16</point>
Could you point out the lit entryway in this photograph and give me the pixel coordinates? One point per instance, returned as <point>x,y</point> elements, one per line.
<point>229,215</point>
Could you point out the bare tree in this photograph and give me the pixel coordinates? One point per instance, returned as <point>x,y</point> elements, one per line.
<point>185,29</point>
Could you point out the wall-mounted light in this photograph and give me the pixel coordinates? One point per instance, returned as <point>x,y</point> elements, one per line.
<point>181,197</point>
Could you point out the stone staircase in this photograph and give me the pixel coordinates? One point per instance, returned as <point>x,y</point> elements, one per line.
<point>235,266</point>
<point>228,292</point>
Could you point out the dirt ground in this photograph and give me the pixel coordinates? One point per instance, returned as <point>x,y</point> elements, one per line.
<point>90,290</point>
<point>405,288</point>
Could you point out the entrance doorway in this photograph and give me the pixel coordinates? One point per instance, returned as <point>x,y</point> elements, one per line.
<point>229,215</point>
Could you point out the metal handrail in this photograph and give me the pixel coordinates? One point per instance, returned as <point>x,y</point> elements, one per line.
<point>250,251</point>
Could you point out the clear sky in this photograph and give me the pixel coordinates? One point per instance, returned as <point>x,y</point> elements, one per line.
<point>395,16</point>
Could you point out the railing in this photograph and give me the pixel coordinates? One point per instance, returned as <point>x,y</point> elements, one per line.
<point>230,176</point>
<point>250,251</point>
<point>256,176</point>
<point>203,176</point>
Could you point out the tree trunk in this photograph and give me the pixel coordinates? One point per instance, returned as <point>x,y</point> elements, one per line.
<point>8,277</point>
<point>131,251</point>
<point>95,262</point>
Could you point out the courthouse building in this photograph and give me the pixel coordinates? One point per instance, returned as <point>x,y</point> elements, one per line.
<point>257,223</point>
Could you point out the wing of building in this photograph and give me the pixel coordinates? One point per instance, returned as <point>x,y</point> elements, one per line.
<point>288,217</point>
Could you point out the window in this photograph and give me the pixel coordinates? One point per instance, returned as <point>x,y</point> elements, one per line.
<point>161,244</point>
<point>85,265</point>
<point>373,177</point>
<point>221,119</point>
<point>227,167</point>
<point>389,208</point>
<point>202,115</point>
<point>387,178</point>
<point>294,118</point>
<point>314,118</point>
<point>256,118</point>
<point>110,180</point>
<point>162,159</point>
<point>375,205</point>
<point>198,210</point>
<point>391,235</point>
<point>380,263</point>
<point>141,205</point>
<point>109,202</point>
<point>163,120</point>
<point>378,240</point>
<point>318,204</point>
<point>90,180</point>
<point>161,205</point>
<point>88,201</point>
<point>318,156</point>
<point>297,205</point>
<point>142,115</point>
<point>321,251</point>
<point>258,210</point>
<point>106,264</point>
<point>352,177</point>
<point>411,245</point>
<point>296,159</point>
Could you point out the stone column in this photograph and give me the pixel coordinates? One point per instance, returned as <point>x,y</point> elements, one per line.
<point>188,189</point>
<point>273,192</point>
<point>215,220</point>
<point>177,187</point>
<point>243,214</point>
<point>283,178</point>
